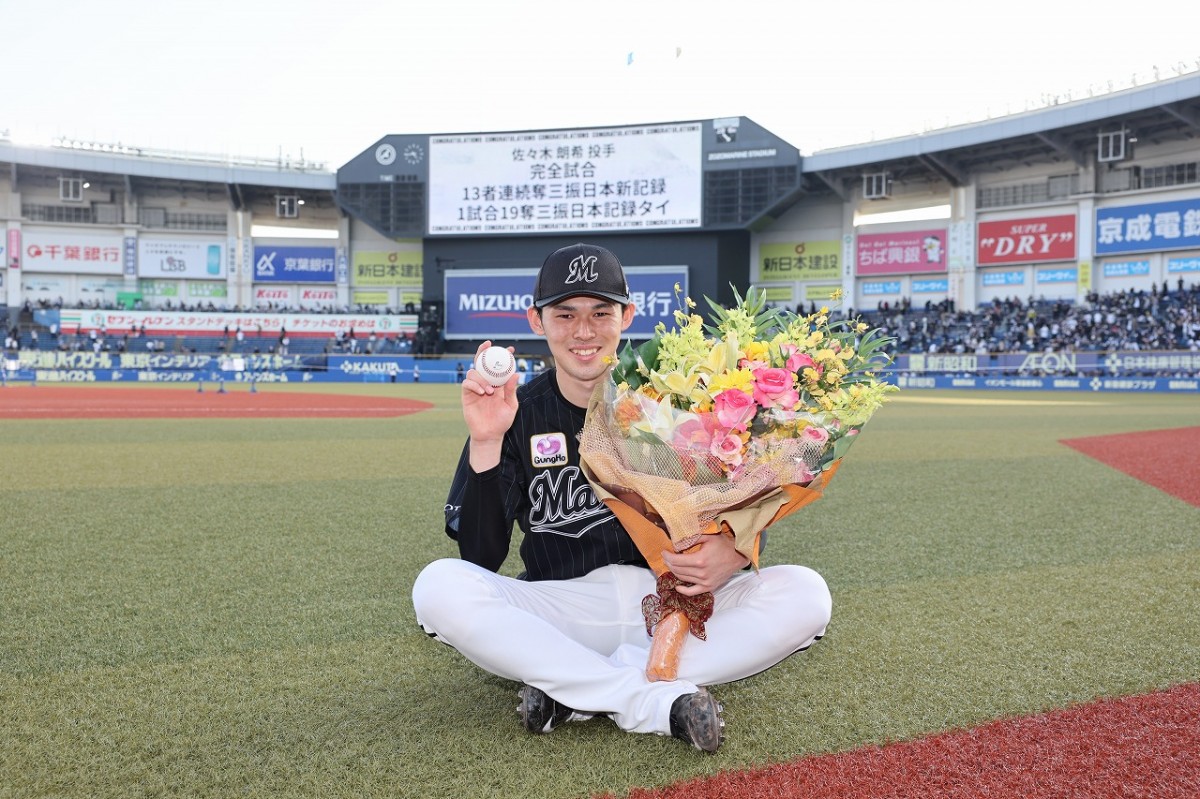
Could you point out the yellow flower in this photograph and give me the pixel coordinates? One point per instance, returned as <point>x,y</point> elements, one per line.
<point>836,295</point>
<point>721,358</point>
<point>756,351</point>
<point>861,327</point>
<point>740,379</point>
<point>686,387</point>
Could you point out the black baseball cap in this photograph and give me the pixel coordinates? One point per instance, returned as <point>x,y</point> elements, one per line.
<point>580,269</point>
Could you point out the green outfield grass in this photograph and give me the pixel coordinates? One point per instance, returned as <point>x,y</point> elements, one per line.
<point>222,607</point>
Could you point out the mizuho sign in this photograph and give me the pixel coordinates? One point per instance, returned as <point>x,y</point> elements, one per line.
<point>492,303</point>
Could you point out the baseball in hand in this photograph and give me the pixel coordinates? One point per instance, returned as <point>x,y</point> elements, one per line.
<point>496,364</point>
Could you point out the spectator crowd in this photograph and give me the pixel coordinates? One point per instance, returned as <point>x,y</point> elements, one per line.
<point>1158,319</point>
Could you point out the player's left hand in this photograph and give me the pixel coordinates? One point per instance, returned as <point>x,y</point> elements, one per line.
<point>707,567</point>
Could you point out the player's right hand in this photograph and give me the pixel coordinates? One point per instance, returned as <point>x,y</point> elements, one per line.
<point>488,411</point>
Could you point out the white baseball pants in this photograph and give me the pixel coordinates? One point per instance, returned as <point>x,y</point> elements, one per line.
<point>584,642</point>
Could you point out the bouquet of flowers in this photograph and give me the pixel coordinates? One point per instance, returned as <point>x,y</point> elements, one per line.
<point>724,428</point>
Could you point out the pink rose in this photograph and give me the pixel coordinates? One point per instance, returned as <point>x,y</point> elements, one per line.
<point>734,409</point>
<point>775,388</point>
<point>801,360</point>
<point>817,435</point>
<point>795,360</point>
<point>728,449</point>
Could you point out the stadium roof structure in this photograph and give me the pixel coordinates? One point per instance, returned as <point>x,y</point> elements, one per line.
<point>1159,112</point>
<point>168,165</point>
<point>1066,133</point>
<point>242,181</point>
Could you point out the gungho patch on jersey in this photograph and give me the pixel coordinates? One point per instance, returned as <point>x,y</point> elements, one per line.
<point>548,449</point>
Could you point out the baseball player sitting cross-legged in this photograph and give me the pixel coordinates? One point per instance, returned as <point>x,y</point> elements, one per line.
<point>571,626</point>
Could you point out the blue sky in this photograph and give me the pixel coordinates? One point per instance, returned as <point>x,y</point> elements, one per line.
<point>325,80</point>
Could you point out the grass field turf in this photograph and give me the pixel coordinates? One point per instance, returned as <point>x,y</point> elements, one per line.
<point>211,607</point>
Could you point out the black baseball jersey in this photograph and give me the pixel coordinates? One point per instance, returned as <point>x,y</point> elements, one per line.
<point>568,531</point>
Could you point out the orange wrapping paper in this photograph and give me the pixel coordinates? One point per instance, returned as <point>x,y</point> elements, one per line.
<point>666,647</point>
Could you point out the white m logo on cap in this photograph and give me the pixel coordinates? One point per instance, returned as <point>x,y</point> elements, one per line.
<point>582,269</point>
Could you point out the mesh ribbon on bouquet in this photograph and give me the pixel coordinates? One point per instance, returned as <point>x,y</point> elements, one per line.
<point>723,435</point>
